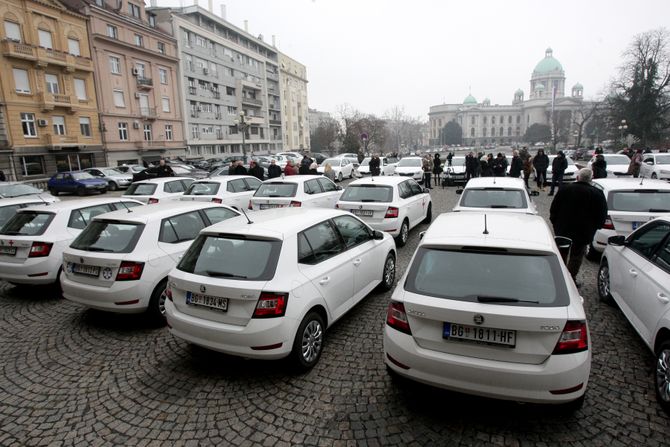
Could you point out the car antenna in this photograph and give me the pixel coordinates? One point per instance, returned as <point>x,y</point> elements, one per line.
<point>39,196</point>
<point>249,221</point>
<point>486,228</point>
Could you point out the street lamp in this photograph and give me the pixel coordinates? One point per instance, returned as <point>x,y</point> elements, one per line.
<point>242,126</point>
<point>622,128</point>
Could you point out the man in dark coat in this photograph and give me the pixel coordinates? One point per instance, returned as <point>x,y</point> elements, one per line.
<point>305,163</point>
<point>239,169</point>
<point>256,171</point>
<point>470,166</point>
<point>499,165</point>
<point>163,170</point>
<point>375,164</point>
<point>599,167</point>
<point>274,171</point>
<point>577,212</point>
<point>516,166</point>
<point>558,167</point>
<point>541,163</point>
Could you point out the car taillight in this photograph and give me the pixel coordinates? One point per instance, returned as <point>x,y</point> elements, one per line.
<point>337,205</point>
<point>391,212</point>
<point>271,305</point>
<point>152,200</point>
<point>250,207</point>
<point>168,292</point>
<point>608,225</point>
<point>396,317</point>
<point>40,249</point>
<point>130,271</point>
<point>295,203</point>
<point>574,338</point>
<point>217,200</point>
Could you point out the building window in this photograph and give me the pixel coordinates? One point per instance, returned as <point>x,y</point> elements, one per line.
<point>484,120</point>
<point>73,47</point>
<point>472,131</point>
<point>119,99</point>
<point>472,120</point>
<point>161,47</point>
<point>12,31</point>
<point>58,125</point>
<point>139,41</point>
<point>114,65</point>
<point>85,126</point>
<point>147,132</point>
<point>509,119</point>
<point>45,39</point>
<point>80,89</point>
<point>152,20</point>
<point>28,124</point>
<point>518,119</point>
<point>493,120</point>
<point>493,132</point>
<point>32,165</point>
<point>195,132</point>
<point>21,83</point>
<point>230,91</point>
<point>140,69</point>
<point>232,110</point>
<point>123,131</point>
<point>73,162</point>
<point>502,132</point>
<point>52,83</point>
<point>134,10</point>
<point>168,132</point>
<point>163,76</point>
<point>112,32</point>
<point>509,131</point>
<point>166,103</point>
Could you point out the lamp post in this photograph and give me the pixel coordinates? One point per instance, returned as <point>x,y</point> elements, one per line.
<point>242,125</point>
<point>622,128</point>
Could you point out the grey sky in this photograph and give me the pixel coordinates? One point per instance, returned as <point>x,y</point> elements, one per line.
<point>374,54</point>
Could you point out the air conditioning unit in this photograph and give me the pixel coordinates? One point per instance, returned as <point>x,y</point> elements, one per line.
<point>137,95</point>
<point>42,123</point>
<point>205,71</point>
<point>135,71</point>
<point>136,125</point>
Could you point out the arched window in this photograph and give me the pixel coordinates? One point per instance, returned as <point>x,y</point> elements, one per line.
<point>472,131</point>
<point>518,119</point>
<point>493,120</point>
<point>493,132</point>
<point>509,119</point>
<point>502,132</point>
<point>509,131</point>
<point>484,132</point>
<point>484,122</point>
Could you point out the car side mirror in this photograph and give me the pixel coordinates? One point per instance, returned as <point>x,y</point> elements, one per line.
<point>422,234</point>
<point>459,192</point>
<point>377,235</point>
<point>617,241</point>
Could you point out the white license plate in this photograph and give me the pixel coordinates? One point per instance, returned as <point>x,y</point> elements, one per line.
<point>479,334</point>
<point>215,302</point>
<point>11,251</point>
<point>367,213</point>
<point>91,270</point>
<point>265,206</point>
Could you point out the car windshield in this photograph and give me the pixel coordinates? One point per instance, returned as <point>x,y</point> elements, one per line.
<point>410,162</point>
<point>645,201</point>
<point>366,161</point>
<point>109,236</point>
<point>663,159</point>
<point>511,279</point>
<point>81,176</point>
<point>111,172</point>
<point>202,189</point>
<point>141,189</point>
<point>614,159</point>
<point>367,193</point>
<point>331,161</point>
<point>17,190</point>
<point>223,256</point>
<point>28,223</point>
<point>493,198</point>
<point>276,190</point>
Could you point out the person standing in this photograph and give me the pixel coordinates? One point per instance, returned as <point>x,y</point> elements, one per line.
<point>450,157</point>
<point>577,212</point>
<point>163,170</point>
<point>635,163</point>
<point>239,169</point>
<point>541,163</point>
<point>558,167</point>
<point>527,170</point>
<point>470,161</point>
<point>313,169</point>
<point>499,165</point>
<point>329,172</point>
<point>289,169</point>
<point>274,171</point>
<point>437,168</point>
<point>2,176</point>
<point>375,163</point>
<point>304,165</point>
<point>427,166</point>
<point>599,167</point>
<point>256,170</point>
<point>516,166</point>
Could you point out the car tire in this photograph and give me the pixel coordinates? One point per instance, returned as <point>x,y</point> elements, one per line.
<point>388,274</point>
<point>53,192</point>
<point>662,380</point>
<point>156,309</point>
<point>592,254</point>
<point>603,282</point>
<point>402,238</point>
<point>339,177</point>
<point>308,343</point>
<point>113,186</point>
<point>654,176</point>
<point>429,214</point>
<point>81,191</point>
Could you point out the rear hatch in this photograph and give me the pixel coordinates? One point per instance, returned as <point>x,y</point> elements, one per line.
<point>141,191</point>
<point>369,202</point>
<point>274,195</point>
<point>21,232</point>
<point>630,209</point>
<point>494,197</point>
<point>202,191</point>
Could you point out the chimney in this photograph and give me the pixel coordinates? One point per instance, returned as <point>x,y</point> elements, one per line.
<point>210,6</point>
<point>274,41</point>
<point>246,26</point>
<point>223,12</point>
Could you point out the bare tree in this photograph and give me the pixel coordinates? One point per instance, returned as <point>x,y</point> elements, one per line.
<point>581,116</point>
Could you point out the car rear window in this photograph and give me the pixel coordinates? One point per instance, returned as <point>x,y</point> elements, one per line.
<point>643,201</point>
<point>477,276</point>
<point>109,236</point>
<point>228,256</point>
<point>493,198</point>
<point>367,193</point>
<point>6,212</point>
<point>141,189</point>
<point>276,190</point>
<point>202,189</point>
<point>28,223</point>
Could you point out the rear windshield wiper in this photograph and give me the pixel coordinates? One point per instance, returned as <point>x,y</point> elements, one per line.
<point>501,206</point>
<point>502,299</point>
<point>224,274</point>
<point>658,210</point>
<point>368,200</point>
<point>96,249</point>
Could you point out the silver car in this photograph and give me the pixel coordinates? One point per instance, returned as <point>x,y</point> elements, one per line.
<point>115,178</point>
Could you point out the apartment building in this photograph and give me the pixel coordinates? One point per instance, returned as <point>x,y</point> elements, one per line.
<point>138,90</point>
<point>48,108</point>
<point>293,80</point>
<point>225,72</point>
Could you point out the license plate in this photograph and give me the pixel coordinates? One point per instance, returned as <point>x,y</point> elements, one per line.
<point>265,206</point>
<point>91,270</point>
<point>215,302</point>
<point>636,224</point>
<point>479,334</point>
<point>362,212</point>
<point>11,251</point>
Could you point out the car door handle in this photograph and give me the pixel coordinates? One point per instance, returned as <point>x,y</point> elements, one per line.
<point>633,272</point>
<point>662,298</point>
<point>325,280</point>
<point>357,262</point>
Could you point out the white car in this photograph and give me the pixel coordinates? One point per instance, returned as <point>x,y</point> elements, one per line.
<point>410,167</point>
<point>352,157</point>
<point>630,203</point>
<point>391,204</point>
<point>308,191</point>
<point>487,307</point>
<point>232,190</point>
<point>32,242</point>
<point>617,165</point>
<point>115,178</point>
<point>10,190</point>
<point>9,207</point>
<point>495,194</point>
<point>158,189</point>
<point>570,174</point>
<point>635,272</point>
<point>292,155</point>
<point>385,168</point>
<point>342,167</point>
<point>271,288</point>
<point>656,166</point>
<point>120,262</point>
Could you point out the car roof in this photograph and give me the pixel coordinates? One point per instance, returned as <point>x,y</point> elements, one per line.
<point>76,204</point>
<point>161,180</point>
<point>514,231</point>
<point>144,214</point>
<point>390,180</point>
<point>222,178</point>
<point>499,182</point>
<point>294,179</point>
<point>614,184</point>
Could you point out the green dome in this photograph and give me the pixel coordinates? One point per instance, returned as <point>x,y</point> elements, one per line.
<point>470,100</point>
<point>548,64</point>
<point>519,92</point>
<point>578,86</point>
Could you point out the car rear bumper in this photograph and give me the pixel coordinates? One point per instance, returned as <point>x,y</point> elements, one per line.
<point>36,271</point>
<point>108,298</point>
<point>600,239</point>
<point>489,378</point>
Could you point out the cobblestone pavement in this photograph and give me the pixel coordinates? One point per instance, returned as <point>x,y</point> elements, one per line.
<point>71,376</point>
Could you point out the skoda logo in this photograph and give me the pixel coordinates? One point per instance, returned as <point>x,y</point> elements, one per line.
<point>478,319</point>
<point>360,207</point>
<point>107,273</point>
<point>203,289</point>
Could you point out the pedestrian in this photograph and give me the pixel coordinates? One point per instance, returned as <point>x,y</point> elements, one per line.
<point>274,170</point>
<point>577,212</point>
<point>375,163</point>
<point>2,176</point>
<point>450,157</point>
<point>427,166</point>
<point>499,165</point>
<point>313,169</point>
<point>527,170</point>
<point>541,163</point>
<point>163,170</point>
<point>635,163</point>
<point>477,164</point>
<point>516,166</point>
<point>470,161</point>
<point>239,169</point>
<point>599,167</point>
<point>256,170</point>
<point>437,168</point>
<point>289,169</point>
<point>329,172</point>
<point>558,167</point>
<point>304,165</point>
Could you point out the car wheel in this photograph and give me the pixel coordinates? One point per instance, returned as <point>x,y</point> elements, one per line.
<point>388,274</point>
<point>429,214</point>
<point>113,186</point>
<point>592,254</point>
<point>53,192</point>
<point>401,240</point>
<point>81,191</point>
<point>663,375</point>
<point>653,175</point>
<point>604,282</point>
<point>156,309</point>
<point>308,342</point>
<point>339,177</point>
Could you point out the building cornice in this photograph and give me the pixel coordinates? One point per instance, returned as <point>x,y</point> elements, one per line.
<point>97,11</point>
<point>134,48</point>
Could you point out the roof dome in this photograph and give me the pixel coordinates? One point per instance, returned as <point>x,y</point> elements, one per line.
<point>578,86</point>
<point>470,100</point>
<point>548,64</point>
<point>518,92</point>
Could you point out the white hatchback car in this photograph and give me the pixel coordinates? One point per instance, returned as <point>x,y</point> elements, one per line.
<point>656,166</point>
<point>271,288</point>
<point>32,242</point>
<point>158,189</point>
<point>342,166</point>
<point>410,167</point>
<point>635,272</point>
<point>9,207</point>
<point>385,168</point>
<point>231,190</point>
<point>391,204</point>
<point>617,165</point>
<point>306,191</point>
<point>507,194</point>
<point>120,262</point>
<point>630,203</point>
<point>487,307</point>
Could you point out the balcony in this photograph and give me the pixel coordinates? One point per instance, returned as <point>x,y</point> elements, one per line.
<point>19,50</point>
<point>145,83</point>
<point>148,113</point>
<point>48,101</point>
<point>274,106</point>
<point>192,90</point>
<point>272,76</point>
<point>252,101</point>
<point>46,56</point>
<point>216,95</point>
<point>55,142</point>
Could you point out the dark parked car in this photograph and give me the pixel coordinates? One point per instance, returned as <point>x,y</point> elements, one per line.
<point>76,182</point>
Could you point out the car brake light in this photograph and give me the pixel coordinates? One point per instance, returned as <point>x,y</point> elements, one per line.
<point>608,225</point>
<point>217,200</point>
<point>152,200</point>
<point>337,205</point>
<point>396,317</point>
<point>391,212</point>
<point>271,305</point>
<point>295,203</point>
<point>574,338</point>
<point>40,249</point>
<point>130,271</point>
<point>168,292</point>
<point>250,206</point>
